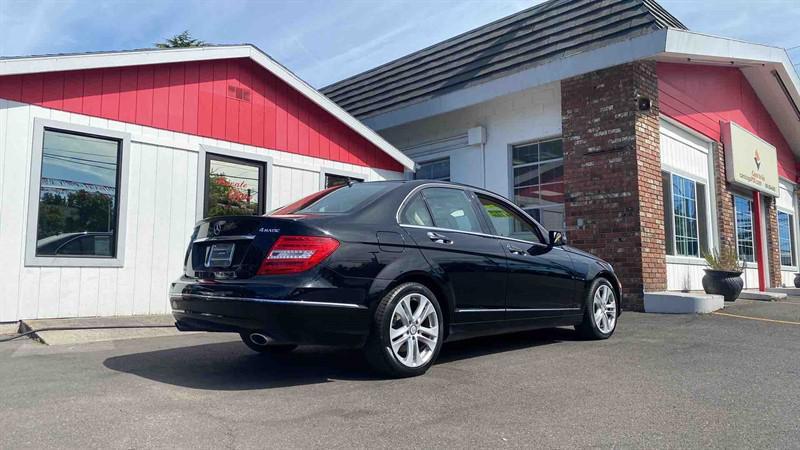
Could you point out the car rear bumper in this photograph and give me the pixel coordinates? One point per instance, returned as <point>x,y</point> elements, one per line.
<point>285,320</point>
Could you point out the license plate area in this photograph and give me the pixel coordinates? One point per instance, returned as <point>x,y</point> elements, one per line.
<point>219,255</point>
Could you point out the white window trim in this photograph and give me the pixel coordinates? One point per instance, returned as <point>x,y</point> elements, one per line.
<point>703,144</point>
<point>696,219</point>
<point>342,173</point>
<point>31,259</point>
<point>203,153</point>
<point>793,225</point>
<point>752,231</point>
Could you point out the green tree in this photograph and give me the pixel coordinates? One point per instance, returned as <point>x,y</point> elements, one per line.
<point>181,40</point>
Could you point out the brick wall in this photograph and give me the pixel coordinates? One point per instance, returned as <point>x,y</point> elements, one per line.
<point>612,174</point>
<point>725,217</point>
<point>773,251</point>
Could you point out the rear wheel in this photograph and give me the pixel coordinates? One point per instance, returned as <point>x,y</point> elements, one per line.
<point>601,312</point>
<point>407,331</point>
<point>261,344</point>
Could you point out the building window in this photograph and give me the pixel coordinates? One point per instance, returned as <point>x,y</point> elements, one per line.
<point>438,170</point>
<point>78,196</point>
<point>77,202</point>
<point>743,209</point>
<point>538,170</point>
<point>685,220</point>
<point>233,186</point>
<point>786,238</point>
<point>332,179</point>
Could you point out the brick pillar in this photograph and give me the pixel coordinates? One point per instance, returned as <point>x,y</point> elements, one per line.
<point>612,174</point>
<point>724,197</point>
<point>773,250</point>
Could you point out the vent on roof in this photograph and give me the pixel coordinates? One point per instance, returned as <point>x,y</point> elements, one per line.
<point>239,93</point>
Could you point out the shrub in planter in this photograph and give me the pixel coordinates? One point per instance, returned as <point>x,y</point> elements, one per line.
<point>797,280</point>
<point>724,274</point>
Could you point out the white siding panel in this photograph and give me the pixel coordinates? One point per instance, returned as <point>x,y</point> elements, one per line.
<point>162,193</point>
<point>689,277</point>
<point>785,198</point>
<point>787,278</point>
<point>144,229</point>
<point>12,217</point>
<point>687,159</point>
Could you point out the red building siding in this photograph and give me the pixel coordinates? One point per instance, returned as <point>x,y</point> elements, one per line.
<point>702,96</point>
<point>234,100</point>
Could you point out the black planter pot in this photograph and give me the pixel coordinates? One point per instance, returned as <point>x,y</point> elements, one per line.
<point>797,280</point>
<point>724,283</point>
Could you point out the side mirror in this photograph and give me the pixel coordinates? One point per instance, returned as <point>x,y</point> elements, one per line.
<point>556,238</point>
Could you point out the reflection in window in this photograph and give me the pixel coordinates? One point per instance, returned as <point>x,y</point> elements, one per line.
<point>507,222</point>
<point>438,170</point>
<point>451,209</point>
<point>233,187</point>
<point>744,228</point>
<point>332,180</point>
<point>786,238</point>
<point>539,181</point>
<point>78,195</point>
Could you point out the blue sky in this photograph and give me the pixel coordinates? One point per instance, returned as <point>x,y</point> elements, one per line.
<point>326,40</point>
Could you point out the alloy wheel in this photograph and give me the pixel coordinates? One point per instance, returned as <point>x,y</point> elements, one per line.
<point>605,309</point>
<point>414,330</point>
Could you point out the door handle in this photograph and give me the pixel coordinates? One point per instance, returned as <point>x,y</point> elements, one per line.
<point>517,250</point>
<point>439,238</point>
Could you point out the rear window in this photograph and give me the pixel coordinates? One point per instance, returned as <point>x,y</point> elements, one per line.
<point>343,199</point>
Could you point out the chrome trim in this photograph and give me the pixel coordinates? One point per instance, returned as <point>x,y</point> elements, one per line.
<point>476,190</point>
<point>241,237</point>
<point>268,300</point>
<point>477,310</point>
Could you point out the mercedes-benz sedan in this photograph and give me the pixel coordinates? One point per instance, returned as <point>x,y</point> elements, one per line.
<point>395,267</point>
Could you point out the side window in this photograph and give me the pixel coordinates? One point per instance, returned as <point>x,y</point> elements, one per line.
<point>451,208</point>
<point>416,213</point>
<point>507,222</point>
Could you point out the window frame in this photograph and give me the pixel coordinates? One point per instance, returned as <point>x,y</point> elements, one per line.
<point>752,229</point>
<point>511,166</point>
<point>696,219</point>
<point>486,226</point>
<point>434,161</point>
<point>792,238</point>
<point>41,125</point>
<point>234,156</point>
<point>325,171</point>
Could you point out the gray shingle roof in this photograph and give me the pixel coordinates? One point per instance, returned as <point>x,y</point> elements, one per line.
<point>551,30</point>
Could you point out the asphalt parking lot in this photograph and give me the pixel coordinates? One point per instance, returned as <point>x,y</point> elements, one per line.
<point>662,381</point>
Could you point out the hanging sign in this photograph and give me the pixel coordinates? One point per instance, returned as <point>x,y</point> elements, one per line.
<point>750,161</point>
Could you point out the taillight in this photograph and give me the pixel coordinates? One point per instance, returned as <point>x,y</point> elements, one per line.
<point>292,254</point>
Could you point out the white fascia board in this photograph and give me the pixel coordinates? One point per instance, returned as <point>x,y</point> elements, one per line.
<point>16,66</point>
<point>85,61</point>
<point>328,105</point>
<point>641,47</point>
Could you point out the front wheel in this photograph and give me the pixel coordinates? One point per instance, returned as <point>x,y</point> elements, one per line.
<point>601,312</point>
<point>407,331</point>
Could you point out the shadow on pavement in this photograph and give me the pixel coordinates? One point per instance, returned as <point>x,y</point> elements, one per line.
<point>231,366</point>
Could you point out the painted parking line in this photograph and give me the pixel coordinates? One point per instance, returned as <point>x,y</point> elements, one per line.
<point>756,318</point>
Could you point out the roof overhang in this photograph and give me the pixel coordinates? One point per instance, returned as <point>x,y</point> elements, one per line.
<point>768,69</point>
<point>84,61</point>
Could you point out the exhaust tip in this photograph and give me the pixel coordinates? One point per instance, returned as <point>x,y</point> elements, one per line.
<point>259,339</point>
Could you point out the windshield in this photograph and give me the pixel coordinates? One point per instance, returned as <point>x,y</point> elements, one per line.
<point>340,199</point>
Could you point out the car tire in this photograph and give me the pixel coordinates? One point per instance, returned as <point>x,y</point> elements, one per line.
<point>407,332</point>
<point>601,311</point>
<point>267,348</point>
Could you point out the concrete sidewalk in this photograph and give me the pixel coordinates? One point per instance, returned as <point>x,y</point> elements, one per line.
<point>98,329</point>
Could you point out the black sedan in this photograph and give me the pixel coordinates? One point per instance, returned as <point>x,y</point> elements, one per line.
<point>395,267</point>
